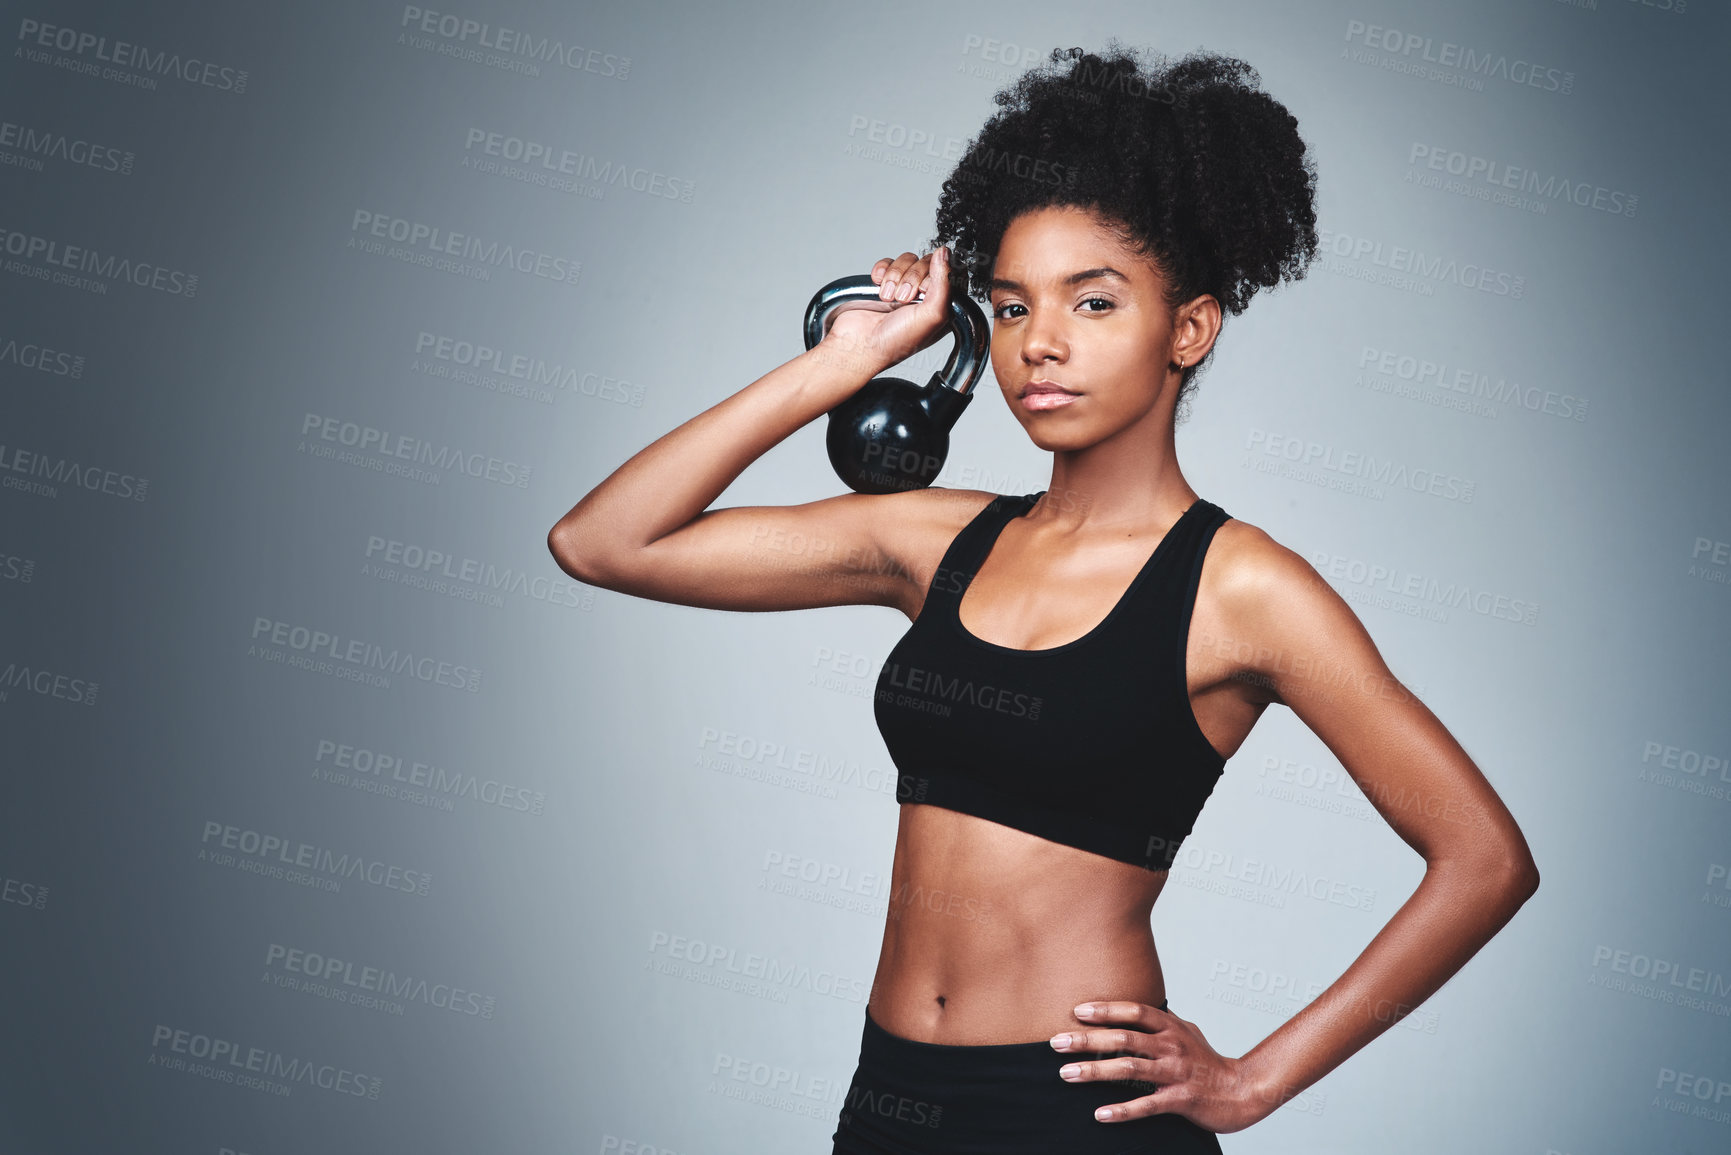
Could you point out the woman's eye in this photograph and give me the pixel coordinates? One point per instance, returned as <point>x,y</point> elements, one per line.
<point>999,311</point>
<point>1101,300</point>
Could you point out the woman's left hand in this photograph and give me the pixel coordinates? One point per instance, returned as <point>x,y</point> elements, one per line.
<point>1192,1079</point>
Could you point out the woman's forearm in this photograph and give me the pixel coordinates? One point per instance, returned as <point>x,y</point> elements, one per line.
<point>1455,910</point>
<point>676,477</point>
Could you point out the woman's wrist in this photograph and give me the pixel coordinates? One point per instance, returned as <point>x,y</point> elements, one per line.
<point>836,367</point>
<point>1261,1089</point>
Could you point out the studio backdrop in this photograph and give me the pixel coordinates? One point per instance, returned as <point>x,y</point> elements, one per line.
<point>336,818</point>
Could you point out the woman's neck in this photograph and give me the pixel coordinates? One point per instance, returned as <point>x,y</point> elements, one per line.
<point>1121,484</point>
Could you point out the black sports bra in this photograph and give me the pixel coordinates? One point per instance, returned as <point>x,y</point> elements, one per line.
<point>1093,743</point>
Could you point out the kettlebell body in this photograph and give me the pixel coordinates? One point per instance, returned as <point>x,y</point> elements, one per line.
<point>892,434</point>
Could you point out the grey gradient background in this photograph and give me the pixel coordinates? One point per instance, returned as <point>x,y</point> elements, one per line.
<point>679,753</point>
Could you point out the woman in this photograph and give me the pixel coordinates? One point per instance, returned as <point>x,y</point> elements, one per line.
<point>1083,660</point>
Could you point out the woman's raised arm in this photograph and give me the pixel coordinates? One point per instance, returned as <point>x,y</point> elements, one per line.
<point>646,530</point>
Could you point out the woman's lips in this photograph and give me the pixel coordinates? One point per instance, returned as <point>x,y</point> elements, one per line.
<point>1047,396</point>
<point>1049,400</point>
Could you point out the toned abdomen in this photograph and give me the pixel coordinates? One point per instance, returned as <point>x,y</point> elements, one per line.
<point>994,935</point>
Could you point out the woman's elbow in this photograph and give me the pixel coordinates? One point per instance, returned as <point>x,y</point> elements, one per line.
<point>1529,879</point>
<point>1504,872</point>
<point>563,544</point>
<point>1519,874</point>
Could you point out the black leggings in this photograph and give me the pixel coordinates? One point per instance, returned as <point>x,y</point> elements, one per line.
<point>913,1098</point>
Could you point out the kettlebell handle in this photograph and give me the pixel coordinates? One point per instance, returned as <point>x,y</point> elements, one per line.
<point>967,324</point>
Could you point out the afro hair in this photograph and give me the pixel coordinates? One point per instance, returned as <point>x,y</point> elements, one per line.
<point>1188,161</point>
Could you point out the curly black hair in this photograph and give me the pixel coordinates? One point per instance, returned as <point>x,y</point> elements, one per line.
<point>1191,163</point>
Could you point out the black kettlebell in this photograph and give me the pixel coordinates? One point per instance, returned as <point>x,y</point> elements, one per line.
<point>893,435</point>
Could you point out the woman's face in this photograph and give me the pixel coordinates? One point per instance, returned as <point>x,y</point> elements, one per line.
<point>1071,306</point>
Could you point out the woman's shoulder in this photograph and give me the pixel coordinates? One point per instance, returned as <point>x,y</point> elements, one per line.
<point>1245,561</point>
<point>938,507</point>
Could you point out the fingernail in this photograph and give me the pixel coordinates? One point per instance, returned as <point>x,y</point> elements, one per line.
<point>1061,1042</point>
<point>904,290</point>
<point>1103,1114</point>
<point>1069,1071</point>
<point>1085,1010</point>
<point>887,289</point>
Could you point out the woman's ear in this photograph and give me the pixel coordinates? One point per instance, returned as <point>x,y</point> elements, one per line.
<point>1195,325</point>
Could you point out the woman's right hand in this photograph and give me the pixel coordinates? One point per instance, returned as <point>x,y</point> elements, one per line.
<point>886,338</point>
